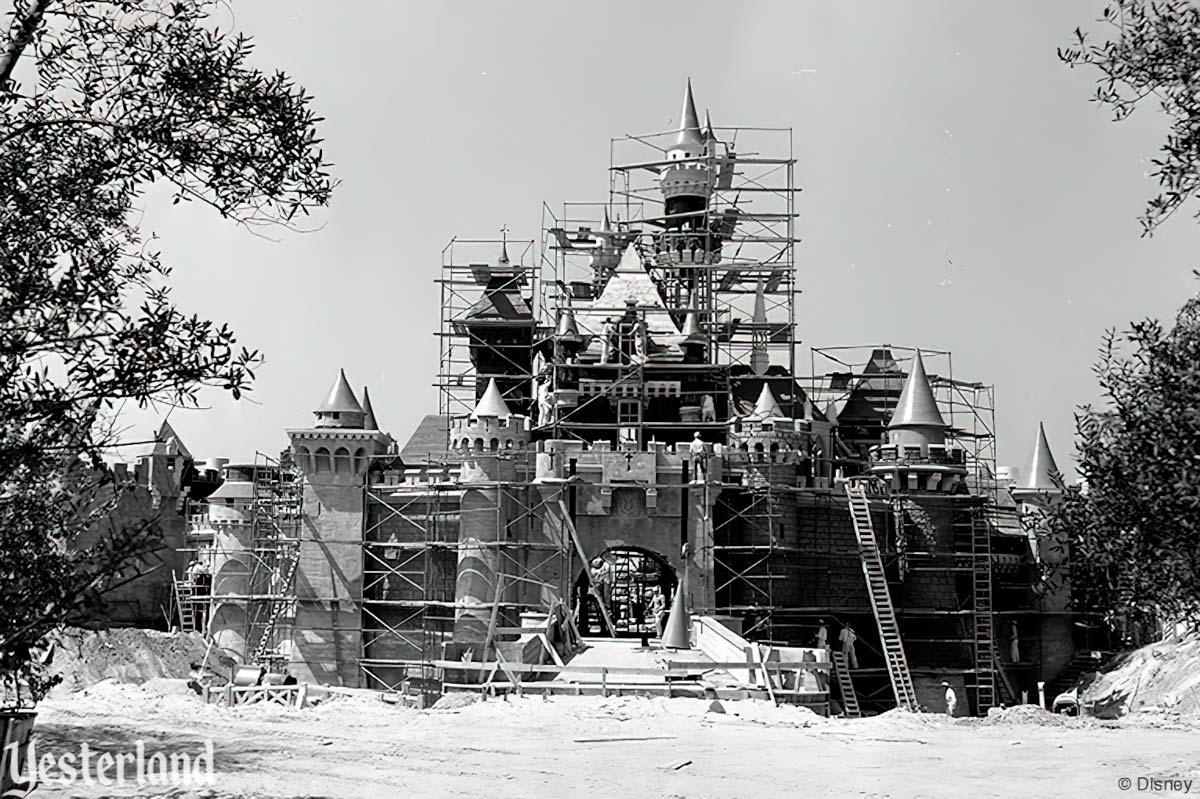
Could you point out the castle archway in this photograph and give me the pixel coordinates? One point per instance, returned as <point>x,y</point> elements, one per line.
<point>633,576</point>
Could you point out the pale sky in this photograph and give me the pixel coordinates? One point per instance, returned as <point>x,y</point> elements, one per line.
<point>960,191</point>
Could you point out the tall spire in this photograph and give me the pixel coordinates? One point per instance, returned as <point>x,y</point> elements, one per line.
<point>760,360</point>
<point>1042,470</point>
<point>709,136</point>
<point>689,123</point>
<point>767,407</point>
<point>492,403</point>
<point>369,422</point>
<point>917,406</point>
<point>341,397</point>
<point>607,222</point>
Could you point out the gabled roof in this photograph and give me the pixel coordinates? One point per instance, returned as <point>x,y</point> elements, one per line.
<point>501,300</point>
<point>689,122</point>
<point>369,421</point>
<point>428,439</point>
<point>341,397</point>
<point>917,406</point>
<point>1042,470</point>
<point>167,442</point>
<point>492,403</point>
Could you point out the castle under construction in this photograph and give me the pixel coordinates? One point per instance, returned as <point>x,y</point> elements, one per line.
<point>624,395</point>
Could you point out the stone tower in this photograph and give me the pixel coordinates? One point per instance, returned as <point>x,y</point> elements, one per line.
<point>333,455</point>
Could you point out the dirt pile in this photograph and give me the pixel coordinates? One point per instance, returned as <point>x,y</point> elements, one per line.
<point>1162,677</point>
<point>1027,715</point>
<point>128,655</point>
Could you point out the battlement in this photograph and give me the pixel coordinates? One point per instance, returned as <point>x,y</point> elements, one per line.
<point>490,433</point>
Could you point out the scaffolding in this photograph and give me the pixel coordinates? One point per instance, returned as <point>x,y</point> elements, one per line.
<point>969,408</point>
<point>730,266</point>
<point>411,551</point>
<point>482,292</point>
<point>270,518</point>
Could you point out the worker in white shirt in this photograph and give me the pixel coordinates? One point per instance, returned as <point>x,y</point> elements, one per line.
<point>951,699</point>
<point>696,450</point>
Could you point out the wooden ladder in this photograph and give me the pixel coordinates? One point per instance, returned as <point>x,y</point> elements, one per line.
<point>881,599</point>
<point>280,599</point>
<point>185,593</point>
<point>985,648</point>
<point>846,686</point>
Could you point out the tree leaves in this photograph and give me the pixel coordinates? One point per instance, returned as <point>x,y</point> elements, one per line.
<point>1154,52</point>
<point>1135,534</point>
<point>128,93</point>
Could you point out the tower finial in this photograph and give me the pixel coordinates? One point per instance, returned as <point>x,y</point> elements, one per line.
<point>760,359</point>
<point>689,123</point>
<point>504,245</point>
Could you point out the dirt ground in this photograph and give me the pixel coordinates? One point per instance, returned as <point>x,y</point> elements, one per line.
<point>354,745</point>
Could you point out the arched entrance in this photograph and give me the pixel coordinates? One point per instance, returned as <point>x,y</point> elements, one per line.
<point>634,574</point>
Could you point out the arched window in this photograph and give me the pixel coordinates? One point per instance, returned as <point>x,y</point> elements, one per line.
<point>341,461</point>
<point>494,444</point>
<point>479,444</point>
<point>323,461</point>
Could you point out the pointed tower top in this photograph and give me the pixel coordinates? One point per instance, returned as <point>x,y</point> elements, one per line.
<point>709,136</point>
<point>1042,470</point>
<point>917,406</point>
<point>689,123</point>
<point>492,404</point>
<point>607,221</point>
<point>369,422</point>
<point>760,360</point>
<point>567,328</point>
<point>167,442</point>
<point>341,397</point>
<point>766,407</point>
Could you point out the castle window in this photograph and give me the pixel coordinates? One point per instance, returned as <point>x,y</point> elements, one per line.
<point>334,415</point>
<point>494,444</point>
<point>629,412</point>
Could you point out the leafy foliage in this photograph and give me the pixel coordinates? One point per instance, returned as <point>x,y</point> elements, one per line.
<point>1155,53</point>
<point>126,94</point>
<point>1134,533</point>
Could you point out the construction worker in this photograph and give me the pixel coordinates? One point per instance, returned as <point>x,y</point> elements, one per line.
<point>608,338</point>
<point>951,699</point>
<point>658,609</point>
<point>696,450</point>
<point>822,635</point>
<point>602,572</point>
<point>708,408</point>
<point>848,637</point>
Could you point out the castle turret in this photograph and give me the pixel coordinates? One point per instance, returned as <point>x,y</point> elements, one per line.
<point>1040,484</point>
<point>334,455</point>
<point>916,457</point>
<point>686,185</point>
<point>491,426</point>
<point>341,407</point>
<point>369,421</point>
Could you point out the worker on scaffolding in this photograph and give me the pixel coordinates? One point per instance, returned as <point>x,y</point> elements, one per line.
<point>608,340</point>
<point>602,573</point>
<point>848,637</point>
<point>696,450</point>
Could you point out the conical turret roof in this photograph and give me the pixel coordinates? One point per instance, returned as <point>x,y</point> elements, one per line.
<point>1042,470</point>
<point>917,406</point>
<point>167,442</point>
<point>709,136</point>
<point>341,397</point>
<point>689,123</point>
<point>767,406</point>
<point>567,328</point>
<point>492,403</point>
<point>369,422</point>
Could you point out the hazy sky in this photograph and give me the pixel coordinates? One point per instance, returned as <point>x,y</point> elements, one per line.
<point>960,191</point>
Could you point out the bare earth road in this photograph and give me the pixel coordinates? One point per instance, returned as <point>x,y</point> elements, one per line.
<point>357,746</point>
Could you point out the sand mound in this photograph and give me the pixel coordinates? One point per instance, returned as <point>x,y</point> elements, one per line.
<point>1163,676</point>
<point>128,655</point>
<point>1026,715</point>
